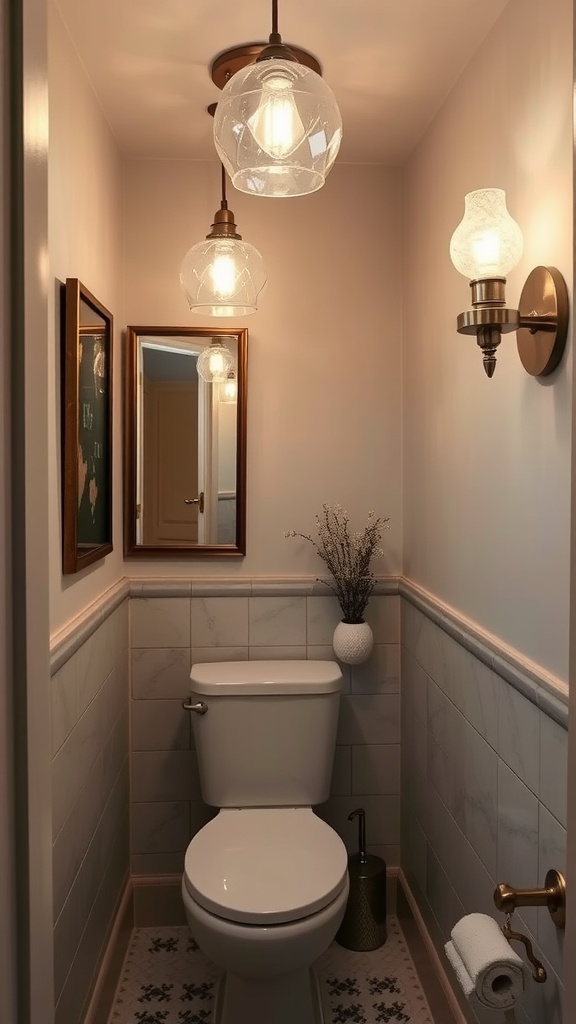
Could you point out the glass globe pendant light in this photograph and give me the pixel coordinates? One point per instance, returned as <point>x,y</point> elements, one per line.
<point>222,275</point>
<point>277,127</point>
<point>229,389</point>
<point>215,362</point>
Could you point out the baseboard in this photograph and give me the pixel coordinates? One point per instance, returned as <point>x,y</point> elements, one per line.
<point>102,998</point>
<point>441,995</point>
<point>158,900</point>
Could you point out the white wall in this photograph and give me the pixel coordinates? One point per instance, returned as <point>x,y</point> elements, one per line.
<point>323,348</point>
<point>487,462</point>
<point>84,231</point>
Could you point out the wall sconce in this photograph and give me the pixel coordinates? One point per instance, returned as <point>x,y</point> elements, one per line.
<point>215,361</point>
<point>485,247</point>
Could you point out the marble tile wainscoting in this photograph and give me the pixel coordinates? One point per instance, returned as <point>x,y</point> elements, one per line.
<point>90,794</point>
<point>484,775</point>
<point>175,624</point>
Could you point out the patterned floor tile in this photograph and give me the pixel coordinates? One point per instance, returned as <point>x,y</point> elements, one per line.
<point>166,979</point>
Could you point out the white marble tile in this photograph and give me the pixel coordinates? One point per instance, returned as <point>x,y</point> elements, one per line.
<point>369,718</point>
<point>376,769</point>
<point>220,621</point>
<point>212,654</point>
<point>414,685</point>
<point>383,615</point>
<point>444,774</point>
<point>91,668</point>
<point>63,702</point>
<point>161,827</point>
<point>322,616</point>
<point>380,673</point>
<point>553,767</point>
<point>160,622</point>
<point>322,652</point>
<point>519,735</point>
<point>159,775</point>
<point>277,653</point>
<point>442,898</point>
<point>160,725</point>
<point>157,863</point>
<point>476,810</point>
<point>277,621</point>
<point>478,697</point>
<point>517,832</point>
<point>161,672</point>
<point>75,835</point>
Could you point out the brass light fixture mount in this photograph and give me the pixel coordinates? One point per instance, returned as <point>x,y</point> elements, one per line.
<point>541,320</point>
<point>230,61</point>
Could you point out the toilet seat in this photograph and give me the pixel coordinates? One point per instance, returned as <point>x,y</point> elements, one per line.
<point>265,865</point>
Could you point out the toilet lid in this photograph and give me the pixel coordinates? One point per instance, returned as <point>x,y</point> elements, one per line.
<point>265,865</point>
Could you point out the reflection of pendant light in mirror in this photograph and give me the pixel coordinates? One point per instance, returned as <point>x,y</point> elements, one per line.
<point>229,389</point>
<point>215,361</point>
<point>223,276</point>
<point>277,127</point>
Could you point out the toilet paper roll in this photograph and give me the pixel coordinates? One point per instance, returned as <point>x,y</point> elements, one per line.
<point>484,963</point>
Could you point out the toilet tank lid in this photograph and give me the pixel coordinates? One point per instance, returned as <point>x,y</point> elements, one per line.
<point>271,677</point>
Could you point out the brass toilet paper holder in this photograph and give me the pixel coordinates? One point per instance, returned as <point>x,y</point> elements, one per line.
<point>553,896</point>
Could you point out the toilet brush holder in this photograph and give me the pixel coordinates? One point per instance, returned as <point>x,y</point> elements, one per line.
<point>364,924</point>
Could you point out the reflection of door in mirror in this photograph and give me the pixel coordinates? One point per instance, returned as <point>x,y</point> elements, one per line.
<point>168,389</point>
<point>185,453</point>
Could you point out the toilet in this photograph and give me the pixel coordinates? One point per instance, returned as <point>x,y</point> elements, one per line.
<point>265,882</point>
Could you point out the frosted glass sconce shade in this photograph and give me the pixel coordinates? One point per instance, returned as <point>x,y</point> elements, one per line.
<point>488,242</point>
<point>215,362</point>
<point>277,128</point>
<point>485,246</point>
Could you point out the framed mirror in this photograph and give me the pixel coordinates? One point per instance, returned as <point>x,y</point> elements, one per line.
<point>185,441</point>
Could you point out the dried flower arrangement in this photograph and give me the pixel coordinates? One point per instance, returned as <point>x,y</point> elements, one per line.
<point>348,557</point>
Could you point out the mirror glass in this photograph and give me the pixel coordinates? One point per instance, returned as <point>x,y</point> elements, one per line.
<point>185,441</point>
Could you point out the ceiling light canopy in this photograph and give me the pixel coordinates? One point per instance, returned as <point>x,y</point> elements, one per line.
<point>277,127</point>
<point>222,275</point>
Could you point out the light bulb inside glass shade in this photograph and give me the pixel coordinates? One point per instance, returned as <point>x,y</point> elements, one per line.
<point>223,277</point>
<point>276,125</point>
<point>214,362</point>
<point>487,242</point>
<point>229,389</point>
<point>277,129</point>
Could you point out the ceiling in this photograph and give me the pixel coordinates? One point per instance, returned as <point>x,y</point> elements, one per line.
<point>390,64</point>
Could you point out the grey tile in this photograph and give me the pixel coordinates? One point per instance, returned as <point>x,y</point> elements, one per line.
<point>160,672</point>
<point>380,673</point>
<point>220,621</point>
<point>476,810</point>
<point>376,769</point>
<point>164,776</point>
<point>517,834</point>
<point>519,735</point>
<point>76,834</point>
<point>369,718</point>
<point>382,819</point>
<point>341,784</point>
<point>322,616</point>
<point>93,668</point>
<point>201,655</point>
<point>161,827</point>
<point>277,653</point>
<point>383,615</point>
<point>157,863</point>
<point>160,622</point>
<point>553,767</point>
<point>160,725</point>
<point>414,685</point>
<point>277,621</point>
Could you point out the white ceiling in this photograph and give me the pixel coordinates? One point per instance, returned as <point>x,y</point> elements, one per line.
<point>390,64</point>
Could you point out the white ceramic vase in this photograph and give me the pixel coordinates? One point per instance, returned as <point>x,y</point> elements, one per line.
<point>353,642</point>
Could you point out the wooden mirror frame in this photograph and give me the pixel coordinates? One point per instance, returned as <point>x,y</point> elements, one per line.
<point>184,549</point>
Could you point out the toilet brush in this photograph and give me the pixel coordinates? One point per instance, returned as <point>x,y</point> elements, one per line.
<point>364,924</point>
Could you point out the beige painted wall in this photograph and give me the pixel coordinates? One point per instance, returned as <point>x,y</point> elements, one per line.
<point>324,414</point>
<point>84,233</point>
<point>487,462</point>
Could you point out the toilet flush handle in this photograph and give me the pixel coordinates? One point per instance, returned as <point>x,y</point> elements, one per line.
<point>199,707</point>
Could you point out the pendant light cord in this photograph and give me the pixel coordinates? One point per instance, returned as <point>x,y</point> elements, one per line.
<point>275,17</point>
<point>223,203</point>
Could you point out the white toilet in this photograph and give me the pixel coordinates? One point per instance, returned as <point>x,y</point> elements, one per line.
<point>265,882</point>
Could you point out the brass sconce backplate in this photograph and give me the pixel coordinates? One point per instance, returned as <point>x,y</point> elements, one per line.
<point>543,309</point>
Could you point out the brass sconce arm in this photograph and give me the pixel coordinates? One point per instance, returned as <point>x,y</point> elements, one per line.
<point>553,896</point>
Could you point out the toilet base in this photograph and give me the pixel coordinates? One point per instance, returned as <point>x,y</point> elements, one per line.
<point>280,1000</point>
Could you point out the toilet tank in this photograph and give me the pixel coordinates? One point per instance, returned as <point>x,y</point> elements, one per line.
<point>268,735</point>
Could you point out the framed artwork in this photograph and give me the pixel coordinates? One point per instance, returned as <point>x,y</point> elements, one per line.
<point>86,428</point>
